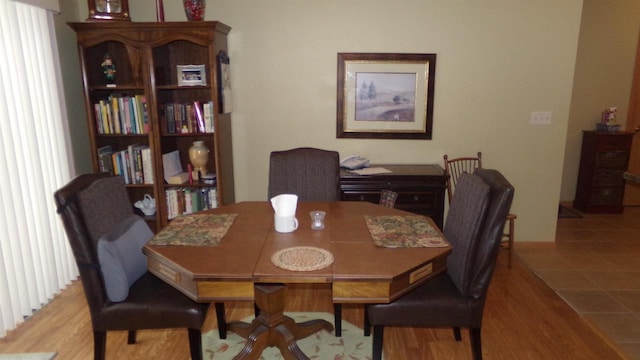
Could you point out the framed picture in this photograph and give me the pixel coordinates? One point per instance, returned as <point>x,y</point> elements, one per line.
<point>191,75</point>
<point>224,83</point>
<point>385,96</point>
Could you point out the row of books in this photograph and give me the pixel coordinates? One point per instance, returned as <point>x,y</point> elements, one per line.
<point>182,201</point>
<point>122,115</point>
<point>188,118</point>
<point>133,164</point>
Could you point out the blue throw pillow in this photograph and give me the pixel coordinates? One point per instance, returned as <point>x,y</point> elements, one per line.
<point>120,256</point>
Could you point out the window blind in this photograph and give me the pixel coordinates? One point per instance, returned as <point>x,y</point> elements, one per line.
<point>35,160</point>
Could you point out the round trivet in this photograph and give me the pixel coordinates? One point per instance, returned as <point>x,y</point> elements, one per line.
<point>302,258</point>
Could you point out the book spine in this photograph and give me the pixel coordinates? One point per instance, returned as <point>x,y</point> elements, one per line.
<point>199,116</point>
<point>147,167</point>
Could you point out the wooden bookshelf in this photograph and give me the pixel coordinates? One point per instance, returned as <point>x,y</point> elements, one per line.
<point>149,60</point>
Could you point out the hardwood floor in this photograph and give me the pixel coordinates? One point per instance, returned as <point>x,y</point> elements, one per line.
<point>524,319</point>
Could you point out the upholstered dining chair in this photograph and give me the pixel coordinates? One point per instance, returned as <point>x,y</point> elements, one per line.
<point>107,239</point>
<point>453,168</point>
<point>312,174</point>
<point>456,297</point>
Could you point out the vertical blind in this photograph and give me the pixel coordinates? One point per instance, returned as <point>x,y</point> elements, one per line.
<point>35,160</point>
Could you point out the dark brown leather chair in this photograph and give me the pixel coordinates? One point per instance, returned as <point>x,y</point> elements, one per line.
<point>456,298</point>
<point>453,168</point>
<point>312,174</point>
<point>91,207</point>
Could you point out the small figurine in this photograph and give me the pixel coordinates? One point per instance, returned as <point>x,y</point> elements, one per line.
<point>109,69</point>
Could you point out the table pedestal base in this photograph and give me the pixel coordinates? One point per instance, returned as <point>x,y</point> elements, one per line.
<point>273,328</point>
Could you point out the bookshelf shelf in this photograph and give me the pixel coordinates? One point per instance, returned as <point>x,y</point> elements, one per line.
<point>129,124</point>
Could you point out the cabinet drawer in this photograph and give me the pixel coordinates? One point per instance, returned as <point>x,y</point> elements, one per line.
<point>370,196</point>
<point>613,143</point>
<point>612,159</point>
<point>608,178</point>
<point>606,196</point>
<point>425,198</point>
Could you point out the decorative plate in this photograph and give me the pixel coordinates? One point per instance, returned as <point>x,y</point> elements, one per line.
<point>302,258</point>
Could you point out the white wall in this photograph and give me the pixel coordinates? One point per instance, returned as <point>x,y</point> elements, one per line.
<point>498,60</point>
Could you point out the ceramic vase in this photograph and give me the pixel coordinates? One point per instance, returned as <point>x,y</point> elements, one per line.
<point>199,155</point>
<point>194,9</point>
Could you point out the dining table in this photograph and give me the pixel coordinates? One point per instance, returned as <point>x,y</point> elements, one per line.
<point>368,253</point>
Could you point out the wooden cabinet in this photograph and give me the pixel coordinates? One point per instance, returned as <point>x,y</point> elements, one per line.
<point>130,112</point>
<point>603,160</point>
<point>420,188</point>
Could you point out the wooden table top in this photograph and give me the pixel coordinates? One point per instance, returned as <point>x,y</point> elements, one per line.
<point>361,272</point>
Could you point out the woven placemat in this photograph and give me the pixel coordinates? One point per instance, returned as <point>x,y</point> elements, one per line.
<point>195,230</point>
<point>403,231</point>
<point>302,258</point>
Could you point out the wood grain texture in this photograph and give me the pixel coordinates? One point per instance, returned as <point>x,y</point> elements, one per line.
<point>524,319</point>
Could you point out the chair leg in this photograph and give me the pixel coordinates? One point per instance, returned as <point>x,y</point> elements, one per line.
<point>456,333</point>
<point>195,344</point>
<point>476,343</point>
<point>511,236</point>
<point>367,324</point>
<point>337,319</point>
<point>131,337</point>
<point>378,337</point>
<point>222,321</point>
<point>99,344</point>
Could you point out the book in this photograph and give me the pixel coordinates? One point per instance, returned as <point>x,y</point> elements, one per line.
<point>115,114</point>
<point>207,109</point>
<point>147,165</point>
<point>105,159</point>
<point>199,116</point>
<point>126,104</point>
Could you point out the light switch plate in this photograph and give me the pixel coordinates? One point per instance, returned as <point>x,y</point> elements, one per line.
<point>541,118</point>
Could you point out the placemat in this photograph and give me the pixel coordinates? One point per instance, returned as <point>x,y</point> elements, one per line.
<point>403,231</point>
<point>302,258</point>
<point>195,230</point>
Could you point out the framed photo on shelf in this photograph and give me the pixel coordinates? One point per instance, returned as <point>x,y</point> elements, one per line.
<point>191,75</point>
<point>385,96</point>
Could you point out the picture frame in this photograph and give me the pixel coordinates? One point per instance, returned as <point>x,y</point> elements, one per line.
<point>191,75</point>
<point>108,10</point>
<point>385,95</point>
<point>224,83</point>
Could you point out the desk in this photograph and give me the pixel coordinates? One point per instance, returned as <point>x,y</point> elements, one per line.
<point>420,188</point>
<point>240,268</point>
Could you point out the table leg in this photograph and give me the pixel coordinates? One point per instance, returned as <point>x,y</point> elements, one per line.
<point>273,328</point>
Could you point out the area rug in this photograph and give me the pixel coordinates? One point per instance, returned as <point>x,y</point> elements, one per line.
<point>29,356</point>
<point>353,345</point>
<point>567,213</point>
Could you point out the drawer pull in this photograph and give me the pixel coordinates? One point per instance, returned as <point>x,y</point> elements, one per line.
<point>420,273</point>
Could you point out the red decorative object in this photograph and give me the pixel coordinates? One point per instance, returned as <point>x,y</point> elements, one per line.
<point>194,9</point>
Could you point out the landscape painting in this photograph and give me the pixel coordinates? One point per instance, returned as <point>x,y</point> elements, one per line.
<point>385,96</point>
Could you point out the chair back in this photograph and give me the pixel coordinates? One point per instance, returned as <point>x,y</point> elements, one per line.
<point>87,213</point>
<point>388,198</point>
<point>500,199</point>
<point>312,174</point>
<point>474,228</point>
<point>454,167</point>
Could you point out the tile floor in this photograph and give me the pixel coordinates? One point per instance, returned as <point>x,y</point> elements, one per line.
<point>594,265</point>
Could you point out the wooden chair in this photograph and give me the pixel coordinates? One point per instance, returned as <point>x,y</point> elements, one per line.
<point>312,174</point>
<point>456,297</point>
<point>457,166</point>
<point>106,239</point>
<point>388,198</point>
